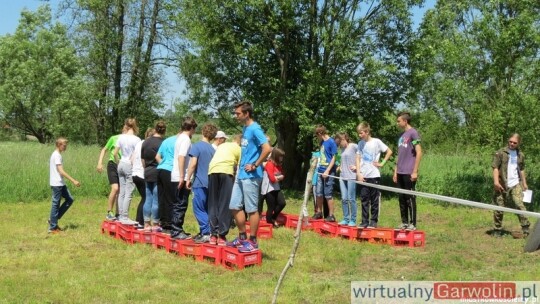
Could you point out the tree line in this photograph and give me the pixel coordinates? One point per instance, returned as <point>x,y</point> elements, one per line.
<point>468,71</point>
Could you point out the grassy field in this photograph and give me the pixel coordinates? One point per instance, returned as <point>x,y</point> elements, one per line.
<point>81,265</point>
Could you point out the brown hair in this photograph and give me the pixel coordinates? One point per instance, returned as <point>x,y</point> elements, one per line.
<point>276,155</point>
<point>161,128</point>
<point>188,124</point>
<point>246,107</point>
<point>342,136</point>
<point>320,130</point>
<point>61,141</point>
<point>149,132</point>
<point>209,131</point>
<point>405,116</point>
<point>131,123</point>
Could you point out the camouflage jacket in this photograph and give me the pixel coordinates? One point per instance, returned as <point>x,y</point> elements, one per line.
<point>500,161</point>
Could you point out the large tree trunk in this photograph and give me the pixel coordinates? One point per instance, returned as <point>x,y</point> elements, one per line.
<point>117,77</point>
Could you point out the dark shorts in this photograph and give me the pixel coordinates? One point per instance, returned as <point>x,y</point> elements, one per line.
<point>112,173</point>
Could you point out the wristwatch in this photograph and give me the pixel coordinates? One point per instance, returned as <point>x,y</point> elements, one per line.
<point>254,165</point>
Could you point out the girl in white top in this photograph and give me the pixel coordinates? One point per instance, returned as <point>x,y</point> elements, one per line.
<point>126,143</point>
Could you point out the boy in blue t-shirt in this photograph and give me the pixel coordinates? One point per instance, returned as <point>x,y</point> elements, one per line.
<point>326,167</point>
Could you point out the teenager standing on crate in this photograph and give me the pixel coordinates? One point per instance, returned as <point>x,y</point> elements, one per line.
<point>246,188</point>
<point>179,178</point>
<point>165,187</point>
<point>126,145</point>
<point>58,186</point>
<point>347,183</point>
<point>367,170</point>
<point>406,170</point>
<point>325,183</point>
<point>273,175</point>
<point>149,150</point>
<point>201,154</point>
<point>138,177</point>
<point>112,176</point>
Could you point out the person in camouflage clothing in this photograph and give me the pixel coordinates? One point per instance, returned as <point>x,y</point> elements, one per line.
<point>509,182</point>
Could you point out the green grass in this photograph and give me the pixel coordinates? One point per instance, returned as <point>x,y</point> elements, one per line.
<point>81,265</point>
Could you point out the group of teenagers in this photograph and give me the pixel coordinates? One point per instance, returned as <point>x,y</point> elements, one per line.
<point>229,180</point>
<point>351,162</point>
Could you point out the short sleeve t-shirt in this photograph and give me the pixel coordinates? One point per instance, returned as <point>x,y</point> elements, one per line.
<point>166,151</point>
<point>252,139</point>
<point>55,179</point>
<point>328,150</point>
<point>406,151</point>
<point>370,152</point>
<point>225,159</point>
<point>348,159</point>
<point>138,169</point>
<point>149,150</point>
<point>127,143</point>
<point>181,148</point>
<point>110,145</point>
<point>204,152</point>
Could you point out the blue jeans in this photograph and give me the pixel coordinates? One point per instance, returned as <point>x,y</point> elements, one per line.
<point>348,199</point>
<point>325,187</point>
<point>151,204</point>
<point>57,210</point>
<point>245,193</point>
<point>200,208</point>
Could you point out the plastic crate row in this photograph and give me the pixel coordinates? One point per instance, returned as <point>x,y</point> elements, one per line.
<point>394,237</point>
<point>227,257</point>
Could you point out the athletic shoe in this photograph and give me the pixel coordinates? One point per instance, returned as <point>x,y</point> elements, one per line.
<point>54,231</point>
<point>110,216</point>
<point>351,224</point>
<point>127,221</point>
<point>403,226</point>
<point>203,239</point>
<point>222,241</point>
<point>363,225</point>
<point>317,216</point>
<point>235,243</point>
<point>139,227</point>
<point>525,230</point>
<point>182,236</point>
<point>157,229</point>
<point>213,240</point>
<point>196,237</point>
<point>497,233</point>
<point>344,222</point>
<point>411,227</point>
<point>330,218</point>
<point>248,246</point>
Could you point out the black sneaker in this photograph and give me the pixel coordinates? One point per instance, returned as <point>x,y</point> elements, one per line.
<point>497,233</point>
<point>317,216</point>
<point>363,225</point>
<point>330,218</point>
<point>182,236</point>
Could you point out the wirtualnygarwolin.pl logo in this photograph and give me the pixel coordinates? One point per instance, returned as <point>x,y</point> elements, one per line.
<point>389,292</point>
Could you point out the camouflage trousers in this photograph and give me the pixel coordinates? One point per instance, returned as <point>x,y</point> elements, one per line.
<point>511,198</point>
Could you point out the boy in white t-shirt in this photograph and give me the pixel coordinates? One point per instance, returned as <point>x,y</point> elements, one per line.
<point>58,186</point>
<point>367,170</point>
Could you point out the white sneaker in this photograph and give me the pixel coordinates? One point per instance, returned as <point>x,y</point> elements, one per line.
<point>127,221</point>
<point>410,227</point>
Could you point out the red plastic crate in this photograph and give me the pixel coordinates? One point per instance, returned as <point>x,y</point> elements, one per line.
<point>143,237</point>
<point>125,233</point>
<point>292,223</point>
<point>190,249</point>
<point>328,229</point>
<point>316,225</point>
<point>348,232</point>
<point>162,240</point>
<point>212,252</point>
<point>265,230</point>
<point>109,228</point>
<point>409,238</point>
<point>232,259</point>
<point>364,235</point>
<point>281,219</point>
<point>174,246</point>
<point>381,235</point>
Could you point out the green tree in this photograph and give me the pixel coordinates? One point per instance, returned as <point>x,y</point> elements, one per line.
<point>41,85</point>
<point>475,64</point>
<point>301,63</point>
